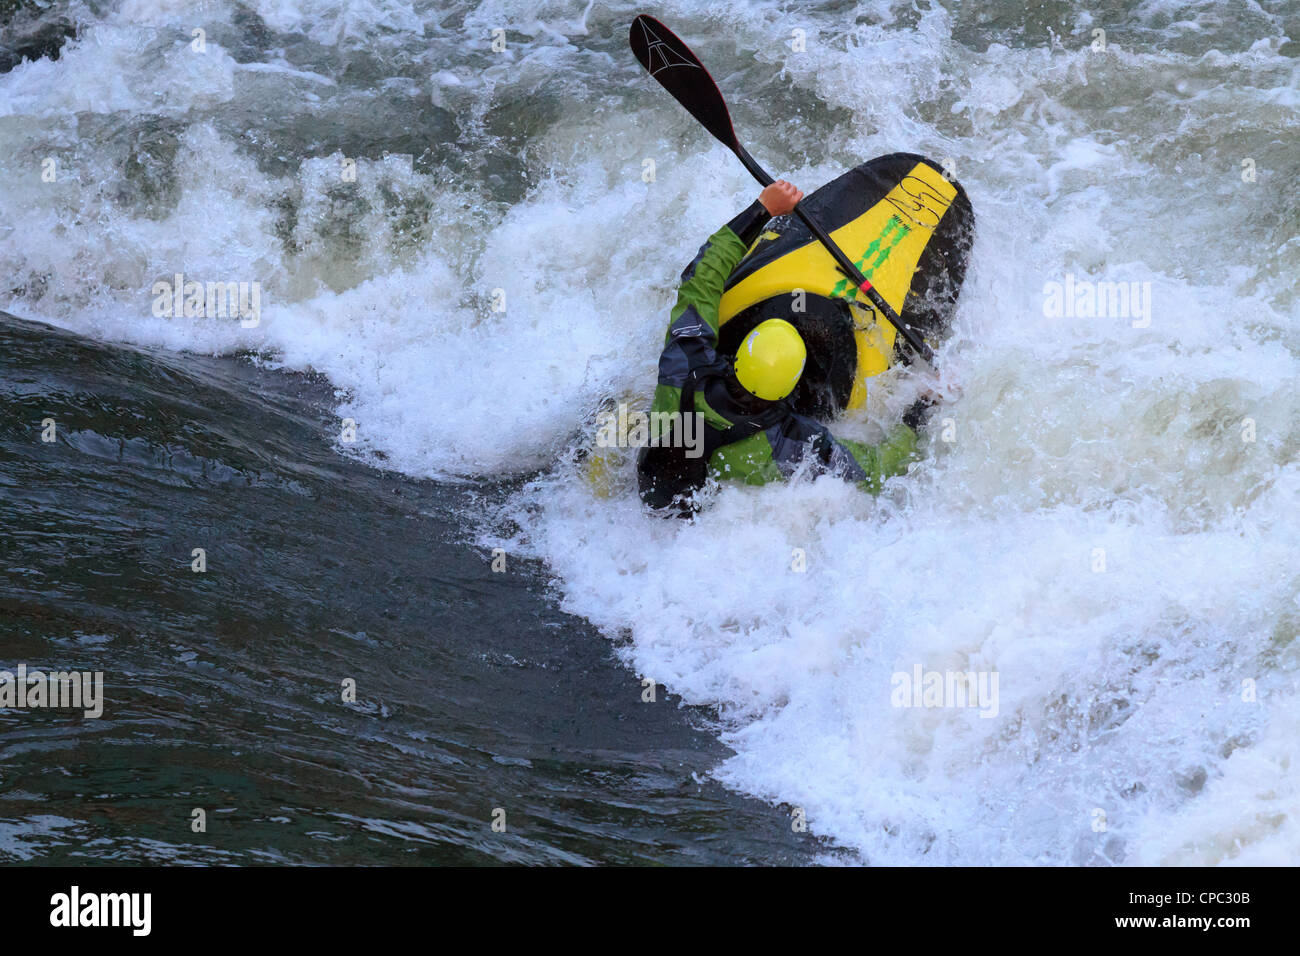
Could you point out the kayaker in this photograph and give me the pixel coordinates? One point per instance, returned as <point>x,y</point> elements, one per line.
<point>751,434</point>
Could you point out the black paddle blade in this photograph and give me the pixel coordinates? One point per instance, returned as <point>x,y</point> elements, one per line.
<point>670,61</point>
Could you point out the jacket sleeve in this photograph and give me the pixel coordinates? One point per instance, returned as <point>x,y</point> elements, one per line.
<point>880,461</point>
<point>703,280</point>
<point>777,453</point>
<point>692,332</point>
<point>799,437</point>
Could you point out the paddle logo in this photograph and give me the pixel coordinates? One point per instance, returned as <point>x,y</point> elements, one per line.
<point>659,53</point>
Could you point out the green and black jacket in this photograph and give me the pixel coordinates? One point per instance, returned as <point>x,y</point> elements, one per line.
<point>741,446</point>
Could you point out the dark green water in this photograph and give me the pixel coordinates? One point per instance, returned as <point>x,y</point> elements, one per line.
<point>223,688</point>
<point>1165,157</point>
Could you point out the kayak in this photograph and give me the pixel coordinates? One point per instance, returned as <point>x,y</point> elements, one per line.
<point>908,229</point>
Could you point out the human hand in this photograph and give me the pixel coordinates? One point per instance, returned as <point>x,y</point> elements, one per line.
<point>779,198</point>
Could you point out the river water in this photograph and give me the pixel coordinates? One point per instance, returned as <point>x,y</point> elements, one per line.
<point>460,252</point>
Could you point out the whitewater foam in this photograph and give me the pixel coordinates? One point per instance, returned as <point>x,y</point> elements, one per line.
<point>1100,533</point>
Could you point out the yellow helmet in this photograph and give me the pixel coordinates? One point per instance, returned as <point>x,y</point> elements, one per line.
<point>770,360</point>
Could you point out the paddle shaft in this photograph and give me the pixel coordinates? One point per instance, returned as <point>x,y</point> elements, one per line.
<point>672,64</point>
<point>843,261</point>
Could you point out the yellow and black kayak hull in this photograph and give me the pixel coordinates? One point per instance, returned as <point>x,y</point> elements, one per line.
<point>908,229</point>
